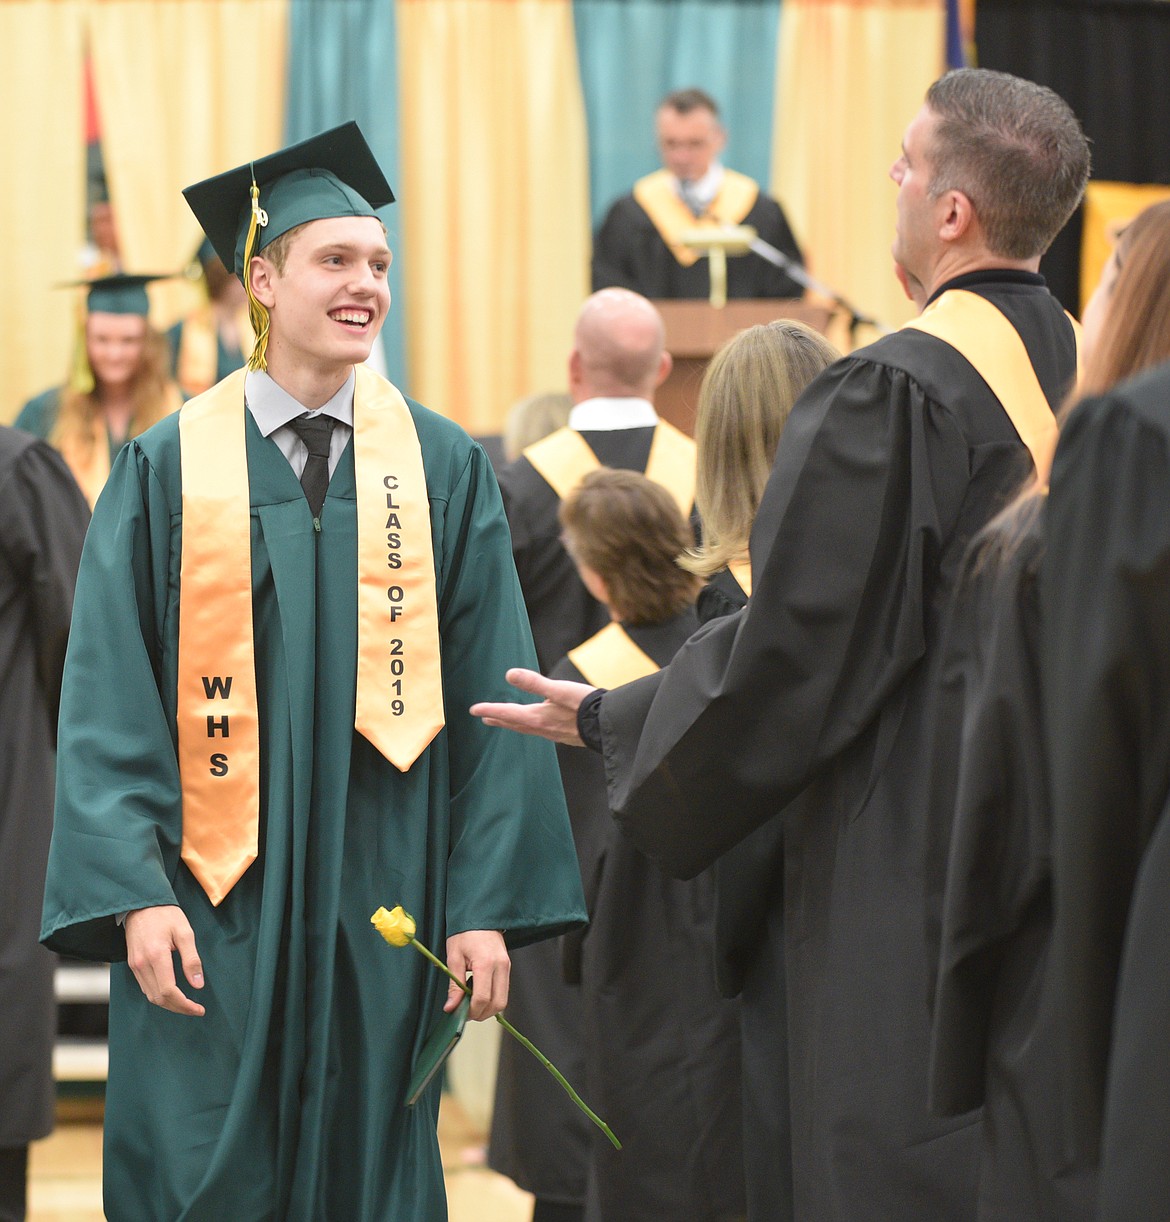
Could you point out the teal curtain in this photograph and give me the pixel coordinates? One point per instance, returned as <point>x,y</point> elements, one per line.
<point>634,51</point>
<point>343,64</point>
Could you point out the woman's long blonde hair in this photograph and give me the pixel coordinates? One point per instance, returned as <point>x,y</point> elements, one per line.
<point>747,392</point>
<point>154,395</point>
<point>1135,333</point>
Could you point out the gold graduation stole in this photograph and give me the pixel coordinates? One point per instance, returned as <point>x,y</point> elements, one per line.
<point>90,464</point>
<point>670,216</point>
<point>564,458</point>
<point>197,365</point>
<point>610,658</point>
<point>399,686</point>
<point>741,570</point>
<point>981,333</point>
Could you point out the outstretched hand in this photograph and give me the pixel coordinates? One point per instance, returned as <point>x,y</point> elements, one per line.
<point>554,719</point>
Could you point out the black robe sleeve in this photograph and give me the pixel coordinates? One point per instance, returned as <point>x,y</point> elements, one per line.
<point>45,516</point>
<point>623,234</point>
<point>870,477</point>
<point>999,866</point>
<point>1105,661</point>
<point>772,226</point>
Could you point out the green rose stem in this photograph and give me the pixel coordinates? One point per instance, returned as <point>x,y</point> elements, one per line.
<point>556,1073</point>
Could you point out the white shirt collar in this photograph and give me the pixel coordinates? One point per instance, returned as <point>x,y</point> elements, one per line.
<point>603,415</point>
<point>703,190</point>
<point>272,406</point>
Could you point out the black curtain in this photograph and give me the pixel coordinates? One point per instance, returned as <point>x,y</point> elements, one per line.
<point>1109,59</point>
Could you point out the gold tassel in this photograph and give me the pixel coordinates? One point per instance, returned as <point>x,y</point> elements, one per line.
<point>80,373</point>
<point>257,313</point>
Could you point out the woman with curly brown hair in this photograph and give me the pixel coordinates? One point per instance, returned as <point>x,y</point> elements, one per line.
<point>120,385</point>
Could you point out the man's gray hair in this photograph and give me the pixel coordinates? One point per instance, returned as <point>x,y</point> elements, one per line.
<point>1015,149</point>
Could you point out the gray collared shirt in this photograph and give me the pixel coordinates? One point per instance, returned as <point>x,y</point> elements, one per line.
<point>272,408</point>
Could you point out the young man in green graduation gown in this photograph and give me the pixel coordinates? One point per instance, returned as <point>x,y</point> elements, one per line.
<point>264,738</point>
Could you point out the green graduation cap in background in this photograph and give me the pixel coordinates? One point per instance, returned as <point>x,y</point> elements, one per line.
<point>331,174</point>
<point>117,294</point>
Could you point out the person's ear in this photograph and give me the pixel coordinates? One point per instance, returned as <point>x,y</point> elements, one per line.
<point>957,218</point>
<point>261,275</point>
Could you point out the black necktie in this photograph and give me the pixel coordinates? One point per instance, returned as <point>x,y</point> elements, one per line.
<point>315,432</point>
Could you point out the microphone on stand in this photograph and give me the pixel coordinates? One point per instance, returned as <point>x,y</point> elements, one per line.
<point>740,239</point>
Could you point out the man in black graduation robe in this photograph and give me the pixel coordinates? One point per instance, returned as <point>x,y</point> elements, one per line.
<point>43,517</point>
<point>618,360</point>
<point>1105,667</point>
<point>636,245</point>
<point>812,701</point>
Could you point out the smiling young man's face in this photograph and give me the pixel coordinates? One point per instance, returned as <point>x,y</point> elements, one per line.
<point>330,302</point>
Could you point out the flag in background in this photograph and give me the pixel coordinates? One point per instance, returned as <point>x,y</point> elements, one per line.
<point>960,33</point>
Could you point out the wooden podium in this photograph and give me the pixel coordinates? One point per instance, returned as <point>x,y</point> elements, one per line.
<point>695,331</point>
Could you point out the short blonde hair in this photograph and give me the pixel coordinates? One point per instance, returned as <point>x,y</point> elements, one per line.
<point>631,533</point>
<point>534,417</point>
<point>747,392</point>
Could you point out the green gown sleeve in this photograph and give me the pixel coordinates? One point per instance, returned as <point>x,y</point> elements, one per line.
<point>39,415</point>
<point>512,865</point>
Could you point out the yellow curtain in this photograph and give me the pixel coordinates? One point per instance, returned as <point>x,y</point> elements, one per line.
<point>42,206</point>
<point>1109,207</point>
<point>184,90</point>
<point>851,75</point>
<point>494,176</point>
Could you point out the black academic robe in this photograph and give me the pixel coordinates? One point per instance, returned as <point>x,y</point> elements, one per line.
<point>722,595</point>
<point>995,1036</point>
<point>813,700</point>
<point>1105,666</point>
<point>43,517</point>
<point>628,252</point>
<point>561,611</point>
<point>631,1010</point>
<point>749,964</point>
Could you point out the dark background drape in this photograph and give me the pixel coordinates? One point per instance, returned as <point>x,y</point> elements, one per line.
<point>1108,59</point>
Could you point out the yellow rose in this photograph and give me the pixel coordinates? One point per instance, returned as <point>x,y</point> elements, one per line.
<point>396,927</point>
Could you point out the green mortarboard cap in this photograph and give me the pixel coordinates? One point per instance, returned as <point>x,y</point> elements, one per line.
<point>331,174</point>
<point>117,294</point>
